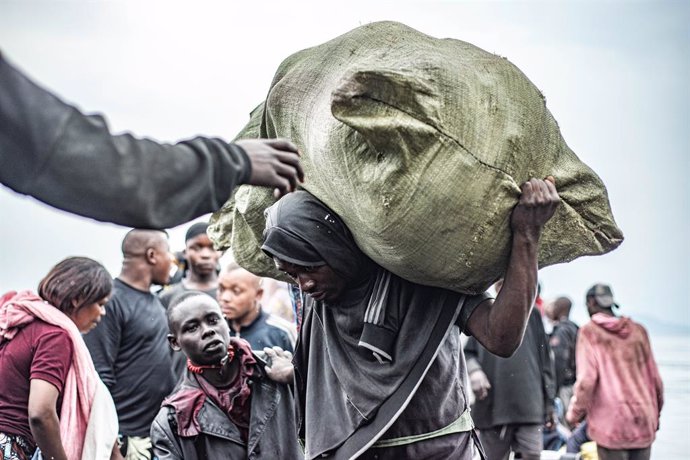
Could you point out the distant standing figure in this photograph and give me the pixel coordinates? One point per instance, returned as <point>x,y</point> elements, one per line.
<point>618,387</point>
<point>239,294</point>
<point>130,346</point>
<point>562,341</point>
<point>514,395</point>
<point>202,265</point>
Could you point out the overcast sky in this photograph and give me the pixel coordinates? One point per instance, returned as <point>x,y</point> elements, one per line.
<point>615,75</point>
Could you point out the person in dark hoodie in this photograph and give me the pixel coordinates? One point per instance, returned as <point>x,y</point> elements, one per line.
<point>618,387</point>
<point>379,368</point>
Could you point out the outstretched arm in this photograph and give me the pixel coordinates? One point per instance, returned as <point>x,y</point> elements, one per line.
<point>57,154</point>
<point>499,325</point>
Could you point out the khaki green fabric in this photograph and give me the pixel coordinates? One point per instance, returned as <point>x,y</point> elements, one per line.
<point>463,424</point>
<point>420,145</point>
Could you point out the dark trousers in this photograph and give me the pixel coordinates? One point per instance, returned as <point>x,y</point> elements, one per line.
<point>623,454</point>
<point>577,438</point>
<point>526,440</point>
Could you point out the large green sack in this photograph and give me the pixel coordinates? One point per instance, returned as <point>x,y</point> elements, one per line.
<point>420,145</point>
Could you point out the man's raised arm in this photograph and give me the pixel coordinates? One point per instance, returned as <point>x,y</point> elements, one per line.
<point>499,325</point>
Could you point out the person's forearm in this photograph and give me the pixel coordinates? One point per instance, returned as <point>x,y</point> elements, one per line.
<point>45,428</point>
<point>510,311</point>
<point>585,381</point>
<point>500,325</point>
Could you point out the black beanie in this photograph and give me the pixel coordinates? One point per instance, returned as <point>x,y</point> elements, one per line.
<point>195,230</point>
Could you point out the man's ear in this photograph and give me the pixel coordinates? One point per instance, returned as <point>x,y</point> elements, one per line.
<point>172,341</point>
<point>259,294</point>
<point>151,256</point>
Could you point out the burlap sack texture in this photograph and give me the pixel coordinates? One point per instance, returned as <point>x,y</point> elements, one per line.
<point>420,145</point>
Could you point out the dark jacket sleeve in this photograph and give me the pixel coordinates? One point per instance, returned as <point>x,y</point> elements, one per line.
<point>165,443</point>
<point>55,153</point>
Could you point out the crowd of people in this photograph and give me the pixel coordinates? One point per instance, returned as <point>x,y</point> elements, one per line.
<point>201,370</point>
<point>95,367</point>
<point>569,389</point>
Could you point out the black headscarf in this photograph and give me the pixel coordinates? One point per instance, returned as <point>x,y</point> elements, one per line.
<point>301,230</point>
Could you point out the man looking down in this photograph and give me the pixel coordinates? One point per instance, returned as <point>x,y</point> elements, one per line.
<point>378,365</point>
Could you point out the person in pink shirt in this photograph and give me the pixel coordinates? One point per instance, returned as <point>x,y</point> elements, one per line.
<point>618,387</point>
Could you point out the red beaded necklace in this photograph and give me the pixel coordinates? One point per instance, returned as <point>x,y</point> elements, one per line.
<point>198,369</point>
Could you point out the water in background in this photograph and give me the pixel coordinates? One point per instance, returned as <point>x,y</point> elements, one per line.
<point>672,354</point>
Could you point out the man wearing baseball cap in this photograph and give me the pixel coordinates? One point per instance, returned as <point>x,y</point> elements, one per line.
<point>602,296</point>
<point>618,387</point>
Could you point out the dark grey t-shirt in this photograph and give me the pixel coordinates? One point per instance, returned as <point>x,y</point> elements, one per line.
<point>346,397</point>
<point>131,354</point>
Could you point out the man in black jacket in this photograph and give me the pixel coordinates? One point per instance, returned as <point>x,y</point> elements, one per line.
<point>228,406</point>
<point>55,153</point>
<point>514,396</point>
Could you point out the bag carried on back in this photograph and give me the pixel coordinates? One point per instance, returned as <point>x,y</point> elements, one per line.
<point>420,145</point>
